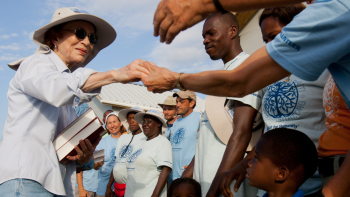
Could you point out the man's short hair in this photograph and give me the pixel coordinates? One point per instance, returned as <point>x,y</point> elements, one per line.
<point>227,18</point>
<point>293,149</point>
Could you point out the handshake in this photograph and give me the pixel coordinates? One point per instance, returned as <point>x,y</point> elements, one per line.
<point>156,79</point>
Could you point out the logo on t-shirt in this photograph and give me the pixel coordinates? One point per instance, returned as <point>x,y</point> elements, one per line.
<point>112,154</point>
<point>281,99</point>
<point>179,135</point>
<point>125,152</point>
<point>134,156</point>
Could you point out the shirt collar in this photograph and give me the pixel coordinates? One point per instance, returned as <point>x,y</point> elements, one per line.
<point>60,65</point>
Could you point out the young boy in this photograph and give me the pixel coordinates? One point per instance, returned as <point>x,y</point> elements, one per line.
<point>284,159</point>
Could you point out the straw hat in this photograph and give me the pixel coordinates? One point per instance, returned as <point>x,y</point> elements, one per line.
<point>155,113</point>
<point>220,115</point>
<point>104,31</point>
<point>171,101</point>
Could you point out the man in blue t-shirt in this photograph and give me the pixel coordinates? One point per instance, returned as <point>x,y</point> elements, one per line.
<point>184,132</point>
<point>169,111</point>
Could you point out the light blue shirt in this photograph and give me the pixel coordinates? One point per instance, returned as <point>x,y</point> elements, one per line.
<point>183,141</point>
<point>40,99</point>
<point>90,180</point>
<point>109,144</point>
<point>317,39</point>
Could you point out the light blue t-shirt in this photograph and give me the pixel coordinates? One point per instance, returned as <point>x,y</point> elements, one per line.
<point>108,144</point>
<point>317,39</point>
<point>97,180</point>
<point>183,140</point>
<point>90,180</point>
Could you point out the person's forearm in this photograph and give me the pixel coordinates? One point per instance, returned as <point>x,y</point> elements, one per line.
<point>99,79</point>
<point>80,181</point>
<point>244,5</point>
<point>189,170</point>
<point>236,147</point>
<point>111,180</point>
<point>339,185</point>
<point>255,73</point>
<point>162,180</point>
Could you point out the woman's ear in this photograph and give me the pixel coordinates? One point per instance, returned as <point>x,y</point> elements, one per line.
<point>282,175</point>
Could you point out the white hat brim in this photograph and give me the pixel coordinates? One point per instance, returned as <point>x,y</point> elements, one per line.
<point>139,118</point>
<point>222,123</point>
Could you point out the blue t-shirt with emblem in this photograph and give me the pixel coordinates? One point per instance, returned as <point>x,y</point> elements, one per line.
<point>317,39</point>
<point>108,144</point>
<point>183,141</point>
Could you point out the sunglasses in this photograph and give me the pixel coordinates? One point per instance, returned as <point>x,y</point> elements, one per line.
<point>81,34</point>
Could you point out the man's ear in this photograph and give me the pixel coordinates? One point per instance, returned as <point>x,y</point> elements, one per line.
<point>282,175</point>
<point>192,103</point>
<point>233,31</point>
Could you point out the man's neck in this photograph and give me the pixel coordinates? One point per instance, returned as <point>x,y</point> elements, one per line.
<point>188,113</point>
<point>171,121</point>
<point>236,49</point>
<point>136,132</point>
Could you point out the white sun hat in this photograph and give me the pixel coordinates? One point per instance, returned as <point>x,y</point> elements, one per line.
<point>155,113</point>
<point>105,32</point>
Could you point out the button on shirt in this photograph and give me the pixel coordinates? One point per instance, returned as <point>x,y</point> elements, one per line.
<point>40,99</point>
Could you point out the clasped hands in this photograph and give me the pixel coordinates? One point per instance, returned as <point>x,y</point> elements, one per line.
<point>157,79</point>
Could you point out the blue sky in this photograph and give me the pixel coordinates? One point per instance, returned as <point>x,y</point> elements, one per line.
<point>132,20</point>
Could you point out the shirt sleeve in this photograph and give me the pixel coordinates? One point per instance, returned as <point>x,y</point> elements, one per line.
<point>39,78</point>
<point>316,38</point>
<point>164,153</point>
<point>254,99</point>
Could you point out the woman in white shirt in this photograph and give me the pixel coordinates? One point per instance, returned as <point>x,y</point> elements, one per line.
<point>149,166</point>
<point>40,99</point>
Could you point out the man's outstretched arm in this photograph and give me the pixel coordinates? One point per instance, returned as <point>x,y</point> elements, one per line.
<point>255,73</point>
<point>173,16</point>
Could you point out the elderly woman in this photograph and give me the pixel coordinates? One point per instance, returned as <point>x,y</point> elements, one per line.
<point>150,165</point>
<point>40,99</point>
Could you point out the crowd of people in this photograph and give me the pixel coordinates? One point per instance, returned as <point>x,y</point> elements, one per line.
<point>277,125</point>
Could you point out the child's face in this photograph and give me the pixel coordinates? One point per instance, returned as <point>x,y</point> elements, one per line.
<point>184,190</point>
<point>261,172</point>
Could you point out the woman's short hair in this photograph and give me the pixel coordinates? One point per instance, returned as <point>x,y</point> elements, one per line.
<point>52,34</point>
<point>283,14</point>
<point>177,182</point>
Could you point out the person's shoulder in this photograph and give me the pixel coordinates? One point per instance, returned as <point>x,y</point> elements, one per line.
<point>196,115</point>
<point>162,140</point>
<point>124,137</point>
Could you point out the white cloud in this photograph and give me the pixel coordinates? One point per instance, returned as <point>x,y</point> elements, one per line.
<point>30,35</point>
<point>130,14</point>
<point>1,68</point>
<point>186,53</point>
<point>9,57</point>
<point>13,46</point>
<point>4,37</point>
<point>14,35</point>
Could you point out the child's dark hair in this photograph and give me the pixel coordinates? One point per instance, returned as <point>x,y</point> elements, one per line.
<point>293,149</point>
<point>177,182</point>
<point>283,14</point>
